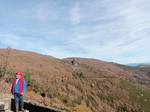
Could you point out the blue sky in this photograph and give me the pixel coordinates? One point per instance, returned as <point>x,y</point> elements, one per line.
<point>109,30</point>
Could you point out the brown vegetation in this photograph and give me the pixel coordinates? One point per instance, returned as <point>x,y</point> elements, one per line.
<point>71,83</point>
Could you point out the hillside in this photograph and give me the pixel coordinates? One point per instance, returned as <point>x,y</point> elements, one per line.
<point>144,65</point>
<point>77,83</point>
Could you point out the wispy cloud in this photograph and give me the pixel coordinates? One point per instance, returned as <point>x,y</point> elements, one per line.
<point>17,41</point>
<point>120,32</point>
<point>75,14</point>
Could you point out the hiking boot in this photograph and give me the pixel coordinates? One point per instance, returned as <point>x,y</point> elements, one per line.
<point>17,107</point>
<point>22,107</point>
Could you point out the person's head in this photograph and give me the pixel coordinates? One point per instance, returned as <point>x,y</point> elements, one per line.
<point>18,74</point>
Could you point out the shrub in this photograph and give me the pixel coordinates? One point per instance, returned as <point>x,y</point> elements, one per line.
<point>49,89</point>
<point>27,76</point>
<point>11,75</point>
<point>29,81</point>
<point>2,71</point>
<point>77,101</point>
<point>78,75</point>
<point>56,93</point>
<point>81,108</point>
<point>135,96</point>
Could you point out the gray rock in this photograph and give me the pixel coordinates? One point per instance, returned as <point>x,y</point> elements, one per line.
<point>74,62</point>
<point>8,111</point>
<point>26,110</point>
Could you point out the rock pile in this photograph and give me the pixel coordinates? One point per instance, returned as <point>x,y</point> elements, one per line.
<point>6,103</point>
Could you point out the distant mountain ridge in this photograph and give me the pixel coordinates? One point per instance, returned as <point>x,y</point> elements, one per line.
<point>137,64</point>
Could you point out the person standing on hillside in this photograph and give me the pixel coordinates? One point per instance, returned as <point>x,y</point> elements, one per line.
<point>18,89</point>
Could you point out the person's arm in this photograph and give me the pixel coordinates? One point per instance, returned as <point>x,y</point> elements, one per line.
<point>24,86</point>
<point>11,90</point>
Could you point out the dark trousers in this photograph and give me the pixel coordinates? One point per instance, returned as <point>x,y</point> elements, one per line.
<point>18,98</point>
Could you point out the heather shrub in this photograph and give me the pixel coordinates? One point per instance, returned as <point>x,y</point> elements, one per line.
<point>2,71</point>
<point>81,108</point>
<point>10,76</point>
<point>78,75</point>
<point>137,95</point>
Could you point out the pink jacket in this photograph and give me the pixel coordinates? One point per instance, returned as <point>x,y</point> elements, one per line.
<point>20,85</point>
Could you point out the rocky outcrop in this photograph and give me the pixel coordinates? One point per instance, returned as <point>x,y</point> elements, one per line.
<point>71,62</point>
<point>7,105</point>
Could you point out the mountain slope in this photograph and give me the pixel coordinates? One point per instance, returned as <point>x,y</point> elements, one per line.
<point>67,83</point>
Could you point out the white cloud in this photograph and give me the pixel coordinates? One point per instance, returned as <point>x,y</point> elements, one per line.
<point>75,14</point>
